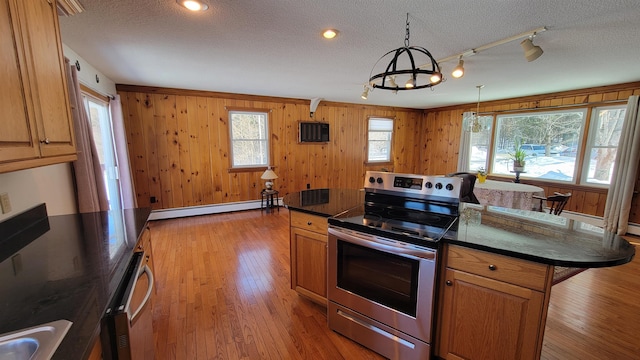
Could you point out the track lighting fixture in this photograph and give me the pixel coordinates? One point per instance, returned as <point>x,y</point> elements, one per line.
<point>531,52</point>
<point>365,93</point>
<point>418,77</point>
<point>458,71</point>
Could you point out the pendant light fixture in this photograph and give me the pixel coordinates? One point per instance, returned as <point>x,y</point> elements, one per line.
<point>475,123</point>
<point>417,77</point>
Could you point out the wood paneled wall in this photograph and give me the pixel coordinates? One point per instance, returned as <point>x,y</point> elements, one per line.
<point>179,145</point>
<point>443,128</point>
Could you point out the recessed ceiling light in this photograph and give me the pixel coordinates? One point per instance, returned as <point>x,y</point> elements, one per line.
<point>330,33</point>
<point>193,5</point>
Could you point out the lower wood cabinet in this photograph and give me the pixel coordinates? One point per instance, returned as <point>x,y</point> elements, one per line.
<point>308,244</point>
<point>491,306</point>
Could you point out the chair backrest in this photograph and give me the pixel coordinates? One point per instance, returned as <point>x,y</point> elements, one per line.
<point>558,202</point>
<point>468,183</point>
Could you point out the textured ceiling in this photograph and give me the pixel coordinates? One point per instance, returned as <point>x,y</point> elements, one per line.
<point>274,47</point>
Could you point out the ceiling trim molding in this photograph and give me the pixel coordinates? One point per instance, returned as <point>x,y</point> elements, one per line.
<point>69,7</point>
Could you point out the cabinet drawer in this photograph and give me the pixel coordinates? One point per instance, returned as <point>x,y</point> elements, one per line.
<point>309,222</point>
<point>499,267</point>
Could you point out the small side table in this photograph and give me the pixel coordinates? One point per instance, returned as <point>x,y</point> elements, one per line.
<point>268,195</point>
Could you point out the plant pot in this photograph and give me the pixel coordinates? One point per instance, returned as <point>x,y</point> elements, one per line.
<point>518,165</point>
<point>482,178</point>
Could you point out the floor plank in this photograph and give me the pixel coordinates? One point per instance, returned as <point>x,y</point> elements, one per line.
<point>223,293</point>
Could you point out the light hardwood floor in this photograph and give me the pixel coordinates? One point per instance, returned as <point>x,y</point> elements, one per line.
<point>223,292</point>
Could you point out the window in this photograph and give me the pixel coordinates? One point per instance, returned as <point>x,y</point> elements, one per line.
<point>249,139</point>
<point>479,144</point>
<point>379,139</point>
<point>602,144</point>
<point>100,119</point>
<point>549,139</point>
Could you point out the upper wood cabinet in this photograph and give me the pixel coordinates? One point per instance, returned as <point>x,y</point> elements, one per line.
<point>36,120</point>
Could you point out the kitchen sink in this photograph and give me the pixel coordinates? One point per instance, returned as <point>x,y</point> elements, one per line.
<point>34,343</point>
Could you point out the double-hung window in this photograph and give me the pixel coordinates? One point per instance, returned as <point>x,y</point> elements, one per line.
<point>602,144</point>
<point>249,132</point>
<point>379,140</point>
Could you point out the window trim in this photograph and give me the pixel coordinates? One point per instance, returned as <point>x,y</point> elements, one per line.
<point>366,155</point>
<point>253,167</point>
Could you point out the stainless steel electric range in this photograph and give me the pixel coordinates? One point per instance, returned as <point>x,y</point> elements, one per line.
<point>383,261</point>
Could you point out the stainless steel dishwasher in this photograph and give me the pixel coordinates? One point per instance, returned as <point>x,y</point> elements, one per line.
<point>127,330</point>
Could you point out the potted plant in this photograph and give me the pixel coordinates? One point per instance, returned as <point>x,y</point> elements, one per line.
<point>518,158</point>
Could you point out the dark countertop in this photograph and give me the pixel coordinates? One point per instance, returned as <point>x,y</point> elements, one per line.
<point>529,235</point>
<point>65,267</point>
<point>324,202</point>
<point>540,237</point>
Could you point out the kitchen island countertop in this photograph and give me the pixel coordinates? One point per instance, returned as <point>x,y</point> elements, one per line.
<point>529,235</point>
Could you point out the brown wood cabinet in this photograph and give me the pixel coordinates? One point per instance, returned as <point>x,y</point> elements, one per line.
<point>491,306</point>
<point>36,120</point>
<point>309,255</point>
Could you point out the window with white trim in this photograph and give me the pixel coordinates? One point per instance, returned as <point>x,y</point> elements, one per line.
<point>249,138</point>
<point>379,139</point>
<point>550,141</point>
<point>602,144</point>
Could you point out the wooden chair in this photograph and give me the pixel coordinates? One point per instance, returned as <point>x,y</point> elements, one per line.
<point>557,200</point>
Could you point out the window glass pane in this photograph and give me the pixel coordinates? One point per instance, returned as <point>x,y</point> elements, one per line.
<point>550,141</point>
<point>379,137</point>
<point>249,140</point>
<point>480,142</point>
<point>606,127</point>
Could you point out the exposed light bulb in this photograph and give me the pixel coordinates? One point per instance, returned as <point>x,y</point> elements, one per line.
<point>410,83</point>
<point>435,78</point>
<point>365,93</point>
<point>458,71</point>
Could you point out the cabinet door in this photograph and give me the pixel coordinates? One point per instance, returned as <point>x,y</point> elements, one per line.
<point>309,264</point>
<point>18,130</point>
<point>484,318</point>
<point>47,77</point>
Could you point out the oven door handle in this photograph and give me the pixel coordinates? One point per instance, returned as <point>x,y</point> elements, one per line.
<point>374,242</point>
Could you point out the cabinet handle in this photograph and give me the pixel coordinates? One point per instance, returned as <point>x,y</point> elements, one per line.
<point>308,222</point>
<point>448,282</point>
<point>45,141</point>
<point>493,267</point>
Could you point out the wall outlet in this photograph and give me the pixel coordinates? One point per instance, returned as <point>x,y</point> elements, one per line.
<point>5,203</point>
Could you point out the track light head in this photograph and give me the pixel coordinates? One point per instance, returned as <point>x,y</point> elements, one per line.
<point>458,71</point>
<point>365,93</point>
<point>531,52</point>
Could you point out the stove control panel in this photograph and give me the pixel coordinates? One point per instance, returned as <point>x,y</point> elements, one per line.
<point>442,186</point>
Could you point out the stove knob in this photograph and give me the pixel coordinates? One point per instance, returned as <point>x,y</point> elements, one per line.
<point>449,187</point>
<point>438,186</point>
<point>379,180</point>
<point>428,185</point>
<point>372,179</point>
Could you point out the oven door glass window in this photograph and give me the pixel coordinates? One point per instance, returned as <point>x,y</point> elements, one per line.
<point>388,279</point>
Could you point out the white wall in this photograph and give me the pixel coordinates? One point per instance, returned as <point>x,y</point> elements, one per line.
<point>87,74</point>
<point>52,184</point>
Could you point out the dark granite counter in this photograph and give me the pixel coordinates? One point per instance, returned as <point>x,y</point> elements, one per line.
<point>529,235</point>
<point>540,237</point>
<point>324,202</point>
<point>65,267</point>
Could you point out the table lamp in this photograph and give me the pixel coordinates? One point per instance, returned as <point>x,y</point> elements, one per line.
<point>268,175</point>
